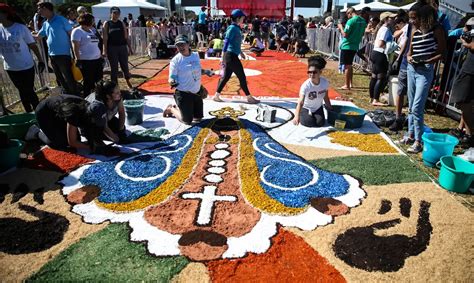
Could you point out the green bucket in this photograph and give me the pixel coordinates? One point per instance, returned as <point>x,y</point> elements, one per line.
<point>456,174</point>
<point>10,156</point>
<point>17,125</point>
<point>134,109</point>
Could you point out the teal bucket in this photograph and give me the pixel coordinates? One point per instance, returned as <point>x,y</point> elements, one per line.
<point>10,155</point>
<point>134,109</point>
<point>437,145</point>
<point>17,125</point>
<point>456,174</point>
<point>338,112</point>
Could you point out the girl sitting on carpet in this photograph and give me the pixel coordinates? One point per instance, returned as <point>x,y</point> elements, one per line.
<point>309,110</point>
<point>257,46</point>
<point>185,76</point>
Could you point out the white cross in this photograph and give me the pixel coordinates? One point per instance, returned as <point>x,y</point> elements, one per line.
<point>208,197</point>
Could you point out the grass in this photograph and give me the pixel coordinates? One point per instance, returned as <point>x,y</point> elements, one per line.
<point>109,256</point>
<point>360,96</point>
<point>375,170</point>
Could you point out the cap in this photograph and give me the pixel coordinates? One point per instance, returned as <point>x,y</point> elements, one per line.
<point>181,38</point>
<point>237,13</point>
<point>114,9</point>
<point>470,22</point>
<point>203,8</point>
<point>385,15</point>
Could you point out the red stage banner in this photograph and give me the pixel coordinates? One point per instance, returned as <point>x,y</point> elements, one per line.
<point>263,8</point>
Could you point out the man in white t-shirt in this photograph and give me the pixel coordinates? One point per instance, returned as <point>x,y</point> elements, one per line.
<point>185,76</point>
<point>313,92</point>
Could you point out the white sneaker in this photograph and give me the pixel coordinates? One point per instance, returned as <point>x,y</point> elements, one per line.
<point>32,133</point>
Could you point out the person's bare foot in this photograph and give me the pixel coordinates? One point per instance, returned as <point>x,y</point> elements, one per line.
<point>344,87</point>
<point>378,103</point>
<point>217,98</point>
<point>252,100</point>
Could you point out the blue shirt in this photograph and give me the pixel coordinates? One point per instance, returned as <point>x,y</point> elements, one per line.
<point>444,22</point>
<point>202,18</point>
<point>233,37</point>
<point>456,32</point>
<point>57,31</point>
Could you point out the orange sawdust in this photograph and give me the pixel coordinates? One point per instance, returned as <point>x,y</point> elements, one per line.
<point>272,55</point>
<point>278,78</point>
<point>56,160</point>
<point>363,142</point>
<point>289,259</point>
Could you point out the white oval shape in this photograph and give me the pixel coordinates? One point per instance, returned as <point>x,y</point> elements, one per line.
<point>220,154</point>
<point>217,163</point>
<point>216,170</point>
<point>213,178</point>
<point>222,146</point>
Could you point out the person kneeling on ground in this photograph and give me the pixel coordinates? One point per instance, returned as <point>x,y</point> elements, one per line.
<point>104,104</point>
<point>60,118</point>
<point>309,110</point>
<point>257,46</point>
<point>215,47</point>
<point>185,75</point>
<point>301,48</point>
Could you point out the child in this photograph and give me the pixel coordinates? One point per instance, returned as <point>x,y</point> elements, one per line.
<point>309,110</point>
<point>257,46</point>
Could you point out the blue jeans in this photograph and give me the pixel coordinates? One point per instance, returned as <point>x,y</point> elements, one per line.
<point>419,83</point>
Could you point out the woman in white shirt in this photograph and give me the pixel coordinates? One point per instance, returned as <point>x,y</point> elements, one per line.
<point>85,44</point>
<point>379,58</point>
<point>185,75</point>
<point>15,44</point>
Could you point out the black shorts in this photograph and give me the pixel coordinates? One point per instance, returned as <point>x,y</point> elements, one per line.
<point>190,105</point>
<point>347,56</point>
<point>462,88</point>
<point>379,63</point>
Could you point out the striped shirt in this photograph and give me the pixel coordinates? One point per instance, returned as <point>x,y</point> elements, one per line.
<point>424,45</point>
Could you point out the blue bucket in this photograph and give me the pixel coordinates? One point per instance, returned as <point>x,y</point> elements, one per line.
<point>134,109</point>
<point>437,145</point>
<point>456,174</point>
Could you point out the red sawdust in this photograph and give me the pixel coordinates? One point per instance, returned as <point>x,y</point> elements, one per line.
<point>273,55</point>
<point>56,160</point>
<point>289,259</point>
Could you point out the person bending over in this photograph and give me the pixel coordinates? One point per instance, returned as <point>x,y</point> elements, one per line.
<point>309,110</point>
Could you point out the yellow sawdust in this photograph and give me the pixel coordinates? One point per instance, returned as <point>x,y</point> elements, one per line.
<point>364,142</point>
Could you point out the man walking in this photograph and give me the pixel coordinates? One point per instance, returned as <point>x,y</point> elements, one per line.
<point>352,36</point>
<point>57,30</point>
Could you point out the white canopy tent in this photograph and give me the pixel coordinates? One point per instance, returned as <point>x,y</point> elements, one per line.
<point>136,8</point>
<point>407,6</point>
<point>374,7</point>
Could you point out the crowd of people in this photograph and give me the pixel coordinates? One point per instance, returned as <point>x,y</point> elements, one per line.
<point>419,37</point>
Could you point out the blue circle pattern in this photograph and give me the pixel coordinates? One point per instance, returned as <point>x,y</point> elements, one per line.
<point>288,174</point>
<point>114,188</point>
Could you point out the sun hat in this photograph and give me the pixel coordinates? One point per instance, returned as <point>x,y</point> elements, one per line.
<point>181,38</point>
<point>385,15</point>
<point>237,13</point>
<point>470,22</point>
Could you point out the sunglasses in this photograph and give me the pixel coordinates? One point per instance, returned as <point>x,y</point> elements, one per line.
<point>313,72</point>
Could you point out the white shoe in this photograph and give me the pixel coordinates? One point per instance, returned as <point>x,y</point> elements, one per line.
<point>32,133</point>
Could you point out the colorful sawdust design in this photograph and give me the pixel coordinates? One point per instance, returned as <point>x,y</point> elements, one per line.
<point>188,196</point>
<point>364,142</point>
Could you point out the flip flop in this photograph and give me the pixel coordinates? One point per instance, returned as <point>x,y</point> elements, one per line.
<point>379,104</point>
